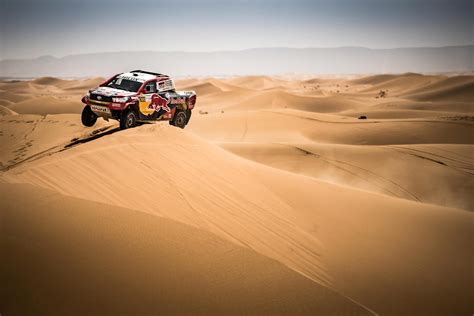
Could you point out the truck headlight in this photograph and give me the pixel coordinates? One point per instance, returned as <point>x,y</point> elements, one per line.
<point>121,99</point>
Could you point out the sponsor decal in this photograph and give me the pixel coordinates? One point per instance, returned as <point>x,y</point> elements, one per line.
<point>178,100</point>
<point>148,104</point>
<point>100,109</point>
<point>130,78</point>
<point>110,92</point>
<point>158,102</point>
<point>165,85</point>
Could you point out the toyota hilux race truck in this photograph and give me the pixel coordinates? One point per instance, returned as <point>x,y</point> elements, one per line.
<point>138,96</point>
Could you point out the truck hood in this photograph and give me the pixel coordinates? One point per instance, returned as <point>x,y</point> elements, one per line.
<point>112,92</point>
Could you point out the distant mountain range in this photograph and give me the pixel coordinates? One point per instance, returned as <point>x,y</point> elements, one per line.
<point>261,61</point>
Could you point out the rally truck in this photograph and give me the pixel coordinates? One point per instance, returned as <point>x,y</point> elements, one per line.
<point>137,97</point>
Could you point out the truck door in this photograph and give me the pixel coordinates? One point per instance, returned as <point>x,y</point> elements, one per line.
<point>146,98</point>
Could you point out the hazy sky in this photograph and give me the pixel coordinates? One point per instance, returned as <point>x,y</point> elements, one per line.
<point>32,28</point>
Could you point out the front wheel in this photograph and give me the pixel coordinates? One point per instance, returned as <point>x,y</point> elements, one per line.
<point>128,119</point>
<point>180,119</point>
<point>88,117</point>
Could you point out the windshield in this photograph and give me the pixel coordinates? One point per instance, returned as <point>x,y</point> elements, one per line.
<point>125,84</point>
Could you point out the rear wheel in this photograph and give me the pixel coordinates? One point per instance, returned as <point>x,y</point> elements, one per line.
<point>128,119</point>
<point>188,115</point>
<point>88,117</point>
<point>180,119</point>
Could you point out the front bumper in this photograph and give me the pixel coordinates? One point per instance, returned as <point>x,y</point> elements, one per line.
<point>106,109</point>
<point>102,111</point>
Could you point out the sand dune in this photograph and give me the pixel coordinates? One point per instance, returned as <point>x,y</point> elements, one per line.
<point>384,78</point>
<point>223,101</point>
<point>116,260</point>
<point>443,83</point>
<point>422,88</point>
<point>459,89</point>
<point>282,100</point>
<point>12,97</point>
<point>69,84</point>
<point>203,88</point>
<point>45,95</point>
<point>424,106</point>
<point>264,218</point>
<point>5,103</point>
<point>389,112</point>
<point>400,171</point>
<point>207,203</point>
<point>26,137</point>
<point>189,81</point>
<point>49,81</point>
<point>82,85</point>
<point>6,111</point>
<point>291,125</point>
<point>48,105</point>
<point>276,199</point>
<point>257,82</point>
<point>384,252</point>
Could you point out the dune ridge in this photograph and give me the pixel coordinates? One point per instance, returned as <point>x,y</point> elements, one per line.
<point>116,241</point>
<point>211,208</point>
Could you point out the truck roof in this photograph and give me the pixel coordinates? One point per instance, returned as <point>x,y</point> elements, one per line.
<point>144,73</point>
<point>140,77</point>
<point>150,73</point>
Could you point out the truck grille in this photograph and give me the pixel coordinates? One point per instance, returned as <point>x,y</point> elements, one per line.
<point>102,98</point>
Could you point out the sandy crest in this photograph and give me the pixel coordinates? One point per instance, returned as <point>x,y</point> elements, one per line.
<point>102,259</point>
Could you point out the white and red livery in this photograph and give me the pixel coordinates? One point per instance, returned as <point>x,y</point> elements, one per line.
<point>138,96</point>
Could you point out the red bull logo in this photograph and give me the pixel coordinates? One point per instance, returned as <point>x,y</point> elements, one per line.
<point>158,102</point>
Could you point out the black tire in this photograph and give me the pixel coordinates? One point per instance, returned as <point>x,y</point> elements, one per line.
<point>128,119</point>
<point>188,114</point>
<point>88,117</point>
<point>180,119</point>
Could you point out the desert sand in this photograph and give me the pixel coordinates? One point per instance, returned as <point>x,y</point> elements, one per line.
<point>275,199</point>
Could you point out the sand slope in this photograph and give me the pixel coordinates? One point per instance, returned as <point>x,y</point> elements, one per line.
<point>106,260</point>
<point>289,125</point>
<point>207,202</point>
<point>48,105</point>
<point>394,256</point>
<point>452,89</point>
<point>278,127</point>
<point>27,137</point>
<point>274,214</point>
<point>396,84</point>
<point>4,111</point>
<point>283,100</point>
<point>45,95</point>
<point>400,171</point>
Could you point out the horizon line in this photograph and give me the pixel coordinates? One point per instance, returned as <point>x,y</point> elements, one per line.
<point>233,50</point>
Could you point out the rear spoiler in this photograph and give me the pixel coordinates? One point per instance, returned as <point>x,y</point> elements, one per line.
<point>150,73</point>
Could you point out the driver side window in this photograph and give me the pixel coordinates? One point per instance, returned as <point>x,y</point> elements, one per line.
<point>150,87</point>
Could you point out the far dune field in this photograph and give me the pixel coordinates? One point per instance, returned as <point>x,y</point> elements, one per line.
<point>283,195</point>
